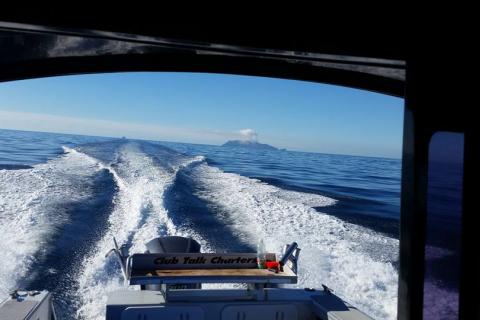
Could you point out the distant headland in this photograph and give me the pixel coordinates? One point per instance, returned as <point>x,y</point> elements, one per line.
<point>248,144</point>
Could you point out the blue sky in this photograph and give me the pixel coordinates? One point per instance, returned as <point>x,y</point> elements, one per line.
<point>208,108</point>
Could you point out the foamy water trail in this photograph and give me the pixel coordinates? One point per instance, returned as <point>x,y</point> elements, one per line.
<point>138,216</point>
<point>352,260</point>
<point>33,205</point>
<point>334,252</point>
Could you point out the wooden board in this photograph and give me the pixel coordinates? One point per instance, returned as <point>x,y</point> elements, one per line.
<point>181,276</point>
<point>219,273</point>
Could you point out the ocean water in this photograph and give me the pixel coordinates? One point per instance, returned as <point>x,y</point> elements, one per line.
<point>63,198</point>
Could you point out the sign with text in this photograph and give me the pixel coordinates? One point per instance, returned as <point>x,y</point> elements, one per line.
<point>157,261</point>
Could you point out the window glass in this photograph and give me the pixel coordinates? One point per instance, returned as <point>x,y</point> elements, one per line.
<point>442,250</point>
<point>228,160</point>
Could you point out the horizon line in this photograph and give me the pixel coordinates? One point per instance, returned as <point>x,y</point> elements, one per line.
<point>193,143</point>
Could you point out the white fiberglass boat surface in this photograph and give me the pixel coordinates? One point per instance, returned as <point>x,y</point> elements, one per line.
<point>166,282</point>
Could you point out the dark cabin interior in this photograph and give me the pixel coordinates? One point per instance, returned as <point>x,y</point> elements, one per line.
<point>430,77</point>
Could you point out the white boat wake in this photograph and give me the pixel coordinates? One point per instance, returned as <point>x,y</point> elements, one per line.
<point>354,261</point>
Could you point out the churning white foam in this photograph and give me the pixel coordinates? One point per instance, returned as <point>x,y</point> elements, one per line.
<point>333,252</point>
<point>352,260</point>
<point>138,216</point>
<point>32,205</point>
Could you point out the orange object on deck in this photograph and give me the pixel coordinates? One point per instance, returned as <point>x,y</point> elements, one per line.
<point>272,264</point>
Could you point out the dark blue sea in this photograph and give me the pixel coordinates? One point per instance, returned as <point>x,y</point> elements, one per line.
<point>63,198</point>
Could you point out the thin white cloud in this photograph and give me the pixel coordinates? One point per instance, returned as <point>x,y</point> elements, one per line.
<point>83,126</point>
